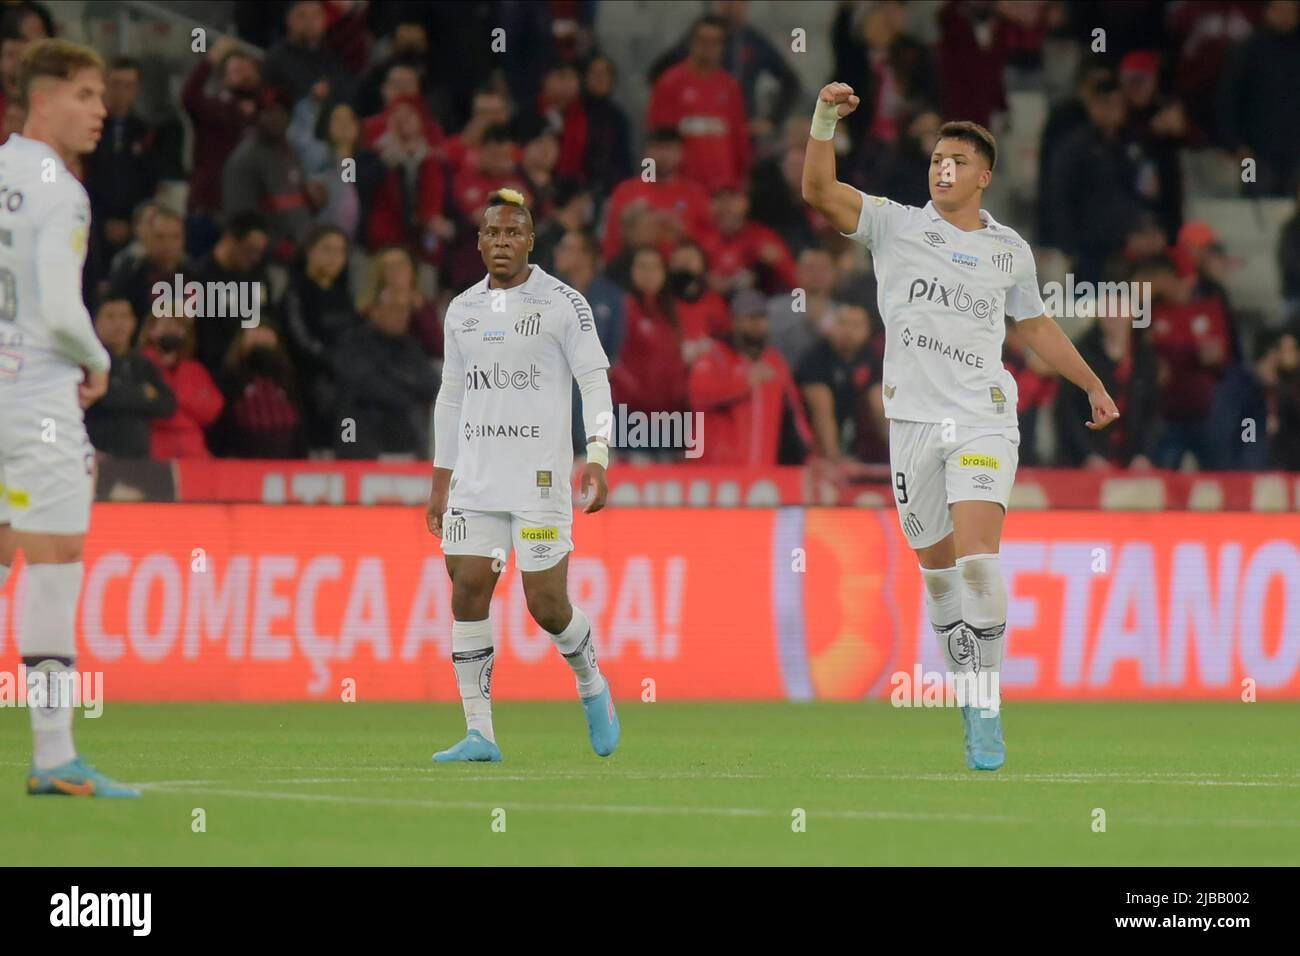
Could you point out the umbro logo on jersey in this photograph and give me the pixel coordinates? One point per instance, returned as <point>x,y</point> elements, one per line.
<point>934,240</point>
<point>540,549</point>
<point>530,324</point>
<point>469,323</point>
<point>982,480</point>
<point>1004,260</point>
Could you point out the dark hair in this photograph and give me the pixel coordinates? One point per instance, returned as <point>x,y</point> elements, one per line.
<point>500,133</point>
<point>1156,263</point>
<point>112,295</point>
<point>665,297</point>
<point>242,223</point>
<point>319,232</point>
<point>708,20</point>
<point>974,135</point>
<point>588,242</point>
<point>567,189</point>
<point>665,134</point>
<point>125,63</point>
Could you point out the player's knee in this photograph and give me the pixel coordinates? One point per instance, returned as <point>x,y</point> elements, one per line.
<point>52,548</point>
<point>984,597</point>
<point>551,610</point>
<point>471,597</point>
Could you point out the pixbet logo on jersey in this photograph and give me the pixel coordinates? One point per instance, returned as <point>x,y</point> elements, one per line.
<point>497,377</point>
<point>958,298</point>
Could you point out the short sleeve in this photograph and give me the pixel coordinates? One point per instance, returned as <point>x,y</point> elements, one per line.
<point>878,222</point>
<point>1024,301</point>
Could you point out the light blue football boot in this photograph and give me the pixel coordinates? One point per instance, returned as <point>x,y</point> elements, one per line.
<point>76,778</point>
<point>602,722</point>
<point>474,747</point>
<point>985,749</point>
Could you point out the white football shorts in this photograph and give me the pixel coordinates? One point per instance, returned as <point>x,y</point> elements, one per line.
<point>47,464</point>
<point>540,538</point>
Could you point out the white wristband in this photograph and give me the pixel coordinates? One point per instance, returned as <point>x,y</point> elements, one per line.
<point>598,452</point>
<point>824,119</point>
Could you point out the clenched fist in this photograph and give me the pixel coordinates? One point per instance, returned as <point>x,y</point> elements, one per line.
<point>840,94</point>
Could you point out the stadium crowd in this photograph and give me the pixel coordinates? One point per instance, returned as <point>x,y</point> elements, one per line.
<point>344,171</point>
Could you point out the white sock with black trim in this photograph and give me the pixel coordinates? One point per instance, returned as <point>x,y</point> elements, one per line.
<point>578,646</point>
<point>984,609</point>
<point>472,654</point>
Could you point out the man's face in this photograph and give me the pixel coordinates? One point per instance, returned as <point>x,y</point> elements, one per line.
<point>165,242</point>
<point>667,156</point>
<point>1106,110</point>
<point>730,209</point>
<point>242,75</point>
<point>490,109</point>
<point>600,78</point>
<point>816,271</point>
<point>401,80</point>
<point>11,52</point>
<point>246,253</point>
<point>272,121</point>
<point>328,256</point>
<point>750,330</point>
<point>957,173</point>
<point>122,88</point>
<point>571,255</point>
<point>411,38</point>
<point>405,123</point>
<point>706,47</point>
<point>504,241</point>
<point>562,86</point>
<point>306,23</point>
<point>497,158</point>
<point>115,325</point>
<point>74,109</point>
<point>542,153</point>
<point>850,330</point>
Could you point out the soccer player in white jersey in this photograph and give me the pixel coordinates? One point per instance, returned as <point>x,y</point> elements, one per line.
<point>946,275</point>
<point>503,455</point>
<point>51,368</point>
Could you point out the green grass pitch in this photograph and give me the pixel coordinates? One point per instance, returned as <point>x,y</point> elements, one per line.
<point>308,784</point>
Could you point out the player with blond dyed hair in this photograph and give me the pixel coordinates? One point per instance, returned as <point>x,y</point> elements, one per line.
<point>51,368</point>
<point>503,453</point>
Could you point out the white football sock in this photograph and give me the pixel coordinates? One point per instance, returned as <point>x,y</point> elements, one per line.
<point>47,641</point>
<point>943,596</point>
<point>984,609</point>
<point>471,655</point>
<point>578,646</point>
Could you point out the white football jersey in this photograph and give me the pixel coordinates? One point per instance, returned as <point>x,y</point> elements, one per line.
<point>517,352</point>
<point>44,226</point>
<point>943,294</point>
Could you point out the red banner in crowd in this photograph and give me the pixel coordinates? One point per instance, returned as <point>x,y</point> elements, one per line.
<point>691,485</point>
<point>251,602</point>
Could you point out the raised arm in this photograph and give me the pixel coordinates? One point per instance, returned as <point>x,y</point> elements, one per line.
<point>840,203</point>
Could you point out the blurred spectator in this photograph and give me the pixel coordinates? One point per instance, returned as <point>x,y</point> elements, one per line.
<point>325,138</point>
<point>1064,119</point>
<point>1191,341</point>
<point>392,269</point>
<point>572,212</point>
<point>1092,186</point>
<point>972,56</point>
<point>681,206</point>
<point>120,423</point>
<point>403,82</point>
<point>609,153</point>
<point>1286,440</point>
<point>747,55</point>
<point>575,264</point>
<point>1203,33</point>
<point>121,173</point>
<point>893,75</point>
<point>14,119</point>
<point>301,59</point>
<point>541,154</point>
<point>1126,364</point>
<point>1257,101</point>
<point>163,258</point>
<point>409,44</point>
<point>168,342</point>
<point>386,383</point>
<point>238,258</point>
<point>219,121</point>
<point>840,381</point>
<point>776,200</point>
<point>407,205</point>
<point>495,169</point>
<point>12,45</point>
<point>1158,126</point>
<point>264,173</point>
<point>1036,386</point>
<point>746,391</point>
<point>702,312</point>
<point>27,19</point>
<point>1245,420</point>
<point>489,109</point>
<point>650,374</point>
<point>1288,260</point>
<point>559,108</point>
<point>1201,257</point>
<point>743,253</point>
<point>317,311</point>
<point>262,417</point>
<point>703,102</point>
<point>801,318</point>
